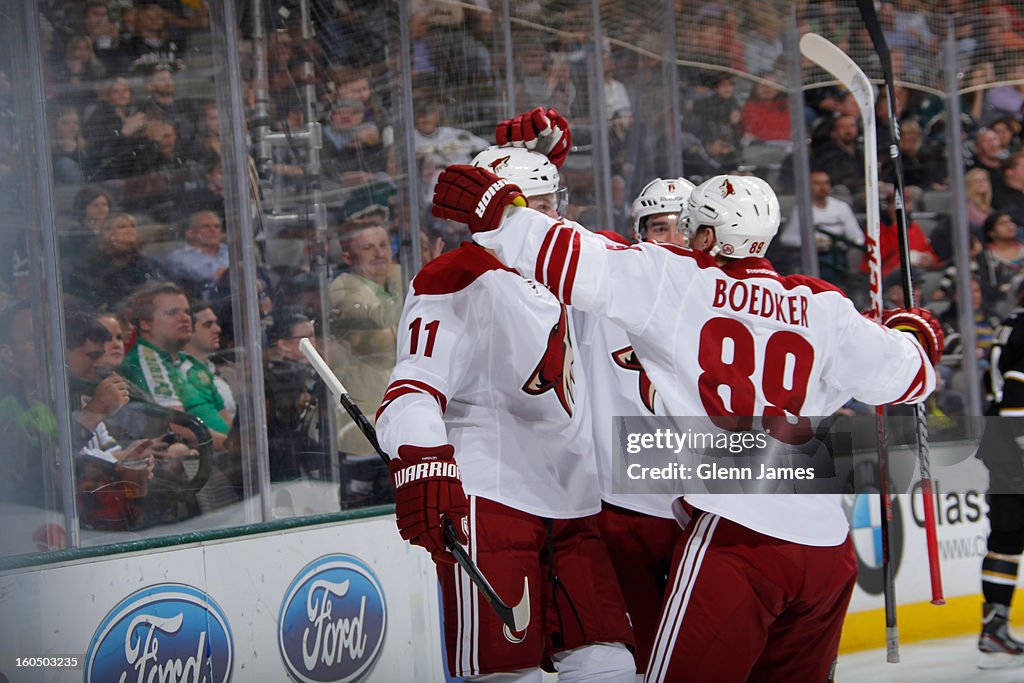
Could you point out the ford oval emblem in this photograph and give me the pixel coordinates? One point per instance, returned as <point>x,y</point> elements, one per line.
<point>332,622</point>
<point>166,632</point>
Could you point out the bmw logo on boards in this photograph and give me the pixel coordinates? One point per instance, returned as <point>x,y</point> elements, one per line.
<point>864,511</point>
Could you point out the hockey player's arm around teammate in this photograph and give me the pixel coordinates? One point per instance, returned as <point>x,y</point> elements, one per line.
<point>546,250</point>
<point>628,285</point>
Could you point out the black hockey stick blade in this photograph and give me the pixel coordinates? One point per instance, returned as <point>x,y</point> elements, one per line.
<point>517,617</point>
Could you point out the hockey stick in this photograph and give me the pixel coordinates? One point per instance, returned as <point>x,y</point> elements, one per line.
<point>517,617</point>
<point>838,63</point>
<point>867,13</point>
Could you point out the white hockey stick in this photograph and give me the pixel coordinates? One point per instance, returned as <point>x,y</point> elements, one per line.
<point>517,617</point>
<point>832,59</point>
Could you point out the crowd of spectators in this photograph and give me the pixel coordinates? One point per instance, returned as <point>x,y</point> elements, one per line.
<point>134,136</point>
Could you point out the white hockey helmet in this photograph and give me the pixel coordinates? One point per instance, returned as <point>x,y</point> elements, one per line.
<point>743,210</point>
<point>659,196</point>
<point>531,171</point>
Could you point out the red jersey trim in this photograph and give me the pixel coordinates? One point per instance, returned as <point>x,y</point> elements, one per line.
<point>814,284</point>
<point>753,266</point>
<point>558,260</point>
<point>455,270</point>
<point>702,259</point>
<point>614,237</point>
<point>917,385</point>
<point>570,276</point>
<point>402,387</point>
<point>545,245</point>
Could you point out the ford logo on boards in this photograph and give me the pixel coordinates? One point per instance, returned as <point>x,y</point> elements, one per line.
<point>167,632</point>
<point>332,622</point>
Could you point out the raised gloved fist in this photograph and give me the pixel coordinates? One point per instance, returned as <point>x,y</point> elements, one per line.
<point>428,488</point>
<point>540,130</point>
<point>922,324</point>
<point>474,196</point>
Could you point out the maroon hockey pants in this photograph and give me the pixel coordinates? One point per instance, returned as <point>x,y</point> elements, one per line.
<point>742,606</point>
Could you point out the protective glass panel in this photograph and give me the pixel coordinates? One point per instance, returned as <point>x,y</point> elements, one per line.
<point>144,267</point>
<point>345,113</point>
<point>32,420</point>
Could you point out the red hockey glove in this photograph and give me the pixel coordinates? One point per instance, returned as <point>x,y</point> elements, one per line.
<point>542,131</point>
<point>474,196</point>
<point>428,488</point>
<point>922,324</point>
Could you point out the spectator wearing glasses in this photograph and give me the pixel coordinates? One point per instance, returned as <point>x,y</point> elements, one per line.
<point>102,465</point>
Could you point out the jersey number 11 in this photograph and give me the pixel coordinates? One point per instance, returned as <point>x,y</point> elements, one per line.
<point>414,336</point>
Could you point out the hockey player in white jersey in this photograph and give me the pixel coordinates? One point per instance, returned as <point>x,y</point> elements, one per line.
<point>532,171</point>
<point>657,209</point>
<point>487,378</point>
<point>639,530</point>
<point>723,335</point>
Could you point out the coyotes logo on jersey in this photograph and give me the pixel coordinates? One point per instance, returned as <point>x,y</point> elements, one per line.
<point>554,371</point>
<point>626,359</point>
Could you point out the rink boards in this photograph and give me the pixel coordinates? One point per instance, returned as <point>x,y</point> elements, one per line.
<point>340,602</point>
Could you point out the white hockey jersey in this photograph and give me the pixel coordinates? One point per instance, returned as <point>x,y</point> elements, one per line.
<point>619,386</point>
<point>737,340</point>
<point>485,362</point>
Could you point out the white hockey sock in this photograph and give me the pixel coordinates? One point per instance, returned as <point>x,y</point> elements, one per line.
<point>596,663</point>
<point>534,675</point>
